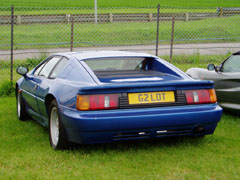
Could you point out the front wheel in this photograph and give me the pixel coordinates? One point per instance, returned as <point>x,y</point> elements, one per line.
<point>57,134</point>
<point>21,108</point>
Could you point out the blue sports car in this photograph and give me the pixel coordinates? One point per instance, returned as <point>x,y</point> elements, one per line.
<point>106,96</point>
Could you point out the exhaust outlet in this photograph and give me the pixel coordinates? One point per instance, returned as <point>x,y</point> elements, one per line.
<point>199,130</point>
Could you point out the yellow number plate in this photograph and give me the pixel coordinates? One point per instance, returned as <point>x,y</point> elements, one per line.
<point>151,97</point>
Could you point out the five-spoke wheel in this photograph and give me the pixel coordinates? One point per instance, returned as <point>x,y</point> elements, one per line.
<point>57,134</point>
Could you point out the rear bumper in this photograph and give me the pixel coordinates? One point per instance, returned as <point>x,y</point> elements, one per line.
<point>125,124</point>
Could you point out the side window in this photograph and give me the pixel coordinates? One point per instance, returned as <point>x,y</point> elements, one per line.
<point>48,67</point>
<point>59,67</point>
<point>39,69</point>
<point>232,64</point>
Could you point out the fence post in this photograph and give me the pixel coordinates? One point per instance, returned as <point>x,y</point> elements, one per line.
<point>186,16</point>
<point>95,12</point>
<point>72,31</point>
<point>172,36</point>
<point>19,20</point>
<point>110,17</point>
<point>68,16</point>
<point>150,17</point>
<point>157,37</point>
<point>12,25</point>
<point>221,11</point>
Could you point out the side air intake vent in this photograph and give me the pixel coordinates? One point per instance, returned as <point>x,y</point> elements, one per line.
<point>131,135</point>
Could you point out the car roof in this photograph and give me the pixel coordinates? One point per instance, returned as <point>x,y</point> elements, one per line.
<point>102,54</point>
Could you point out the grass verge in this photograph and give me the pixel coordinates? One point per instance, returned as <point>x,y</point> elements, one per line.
<point>87,10</point>
<point>38,36</point>
<point>122,3</point>
<point>6,88</point>
<point>25,154</point>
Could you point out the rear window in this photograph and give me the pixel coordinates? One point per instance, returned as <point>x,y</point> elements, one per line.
<point>118,64</point>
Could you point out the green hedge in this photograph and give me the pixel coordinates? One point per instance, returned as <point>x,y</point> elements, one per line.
<point>7,88</point>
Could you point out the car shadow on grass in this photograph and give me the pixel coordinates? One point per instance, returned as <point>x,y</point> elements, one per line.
<point>133,145</point>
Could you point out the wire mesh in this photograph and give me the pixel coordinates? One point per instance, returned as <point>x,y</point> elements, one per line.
<point>40,31</point>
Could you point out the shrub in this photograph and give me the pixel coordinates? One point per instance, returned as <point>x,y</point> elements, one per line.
<point>7,89</point>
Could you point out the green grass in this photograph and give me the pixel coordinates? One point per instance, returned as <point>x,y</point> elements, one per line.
<point>81,10</point>
<point>131,33</point>
<point>121,3</point>
<point>113,6</point>
<point>25,154</point>
<point>7,88</point>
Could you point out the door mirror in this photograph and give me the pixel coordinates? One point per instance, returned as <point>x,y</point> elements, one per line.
<point>211,67</point>
<point>22,70</point>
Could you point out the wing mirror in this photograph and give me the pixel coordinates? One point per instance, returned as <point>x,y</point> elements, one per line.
<point>212,67</point>
<point>22,70</point>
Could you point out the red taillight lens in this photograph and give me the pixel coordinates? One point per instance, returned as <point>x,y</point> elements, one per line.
<point>97,102</point>
<point>201,96</point>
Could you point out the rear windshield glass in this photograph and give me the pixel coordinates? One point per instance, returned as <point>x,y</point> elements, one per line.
<point>118,64</point>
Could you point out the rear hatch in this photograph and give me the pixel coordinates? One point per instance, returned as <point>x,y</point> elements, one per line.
<point>140,82</point>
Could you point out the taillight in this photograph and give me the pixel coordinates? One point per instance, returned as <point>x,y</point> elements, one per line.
<point>97,102</point>
<point>201,96</point>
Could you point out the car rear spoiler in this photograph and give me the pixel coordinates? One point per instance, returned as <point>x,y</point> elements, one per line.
<point>146,86</point>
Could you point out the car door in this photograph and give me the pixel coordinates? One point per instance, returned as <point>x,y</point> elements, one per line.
<point>29,88</point>
<point>227,80</point>
<point>40,75</point>
<point>31,85</point>
<point>47,80</point>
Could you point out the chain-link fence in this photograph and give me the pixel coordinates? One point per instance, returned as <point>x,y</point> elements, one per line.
<point>29,34</point>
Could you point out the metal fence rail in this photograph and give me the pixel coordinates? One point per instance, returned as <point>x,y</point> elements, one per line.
<point>34,32</point>
<point>107,18</point>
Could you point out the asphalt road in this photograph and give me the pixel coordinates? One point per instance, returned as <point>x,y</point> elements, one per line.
<point>211,48</point>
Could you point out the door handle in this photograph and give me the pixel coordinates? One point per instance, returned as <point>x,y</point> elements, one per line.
<point>36,86</point>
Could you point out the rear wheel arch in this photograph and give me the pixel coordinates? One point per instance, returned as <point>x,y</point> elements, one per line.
<point>57,134</point>
<point>48,100</point>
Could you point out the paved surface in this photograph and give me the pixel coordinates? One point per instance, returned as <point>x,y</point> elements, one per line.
<point>213,48</point>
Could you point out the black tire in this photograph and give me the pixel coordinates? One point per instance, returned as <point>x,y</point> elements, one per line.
<point>21,107</point>
<point>57,133</point>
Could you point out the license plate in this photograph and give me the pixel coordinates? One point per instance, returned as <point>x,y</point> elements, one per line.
<point>151,97</point>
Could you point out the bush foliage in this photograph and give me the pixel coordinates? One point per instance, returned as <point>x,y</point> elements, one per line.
<point>7,88</point>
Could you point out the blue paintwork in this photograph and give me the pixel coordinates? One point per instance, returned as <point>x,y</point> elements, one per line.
<point>101,126</point>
